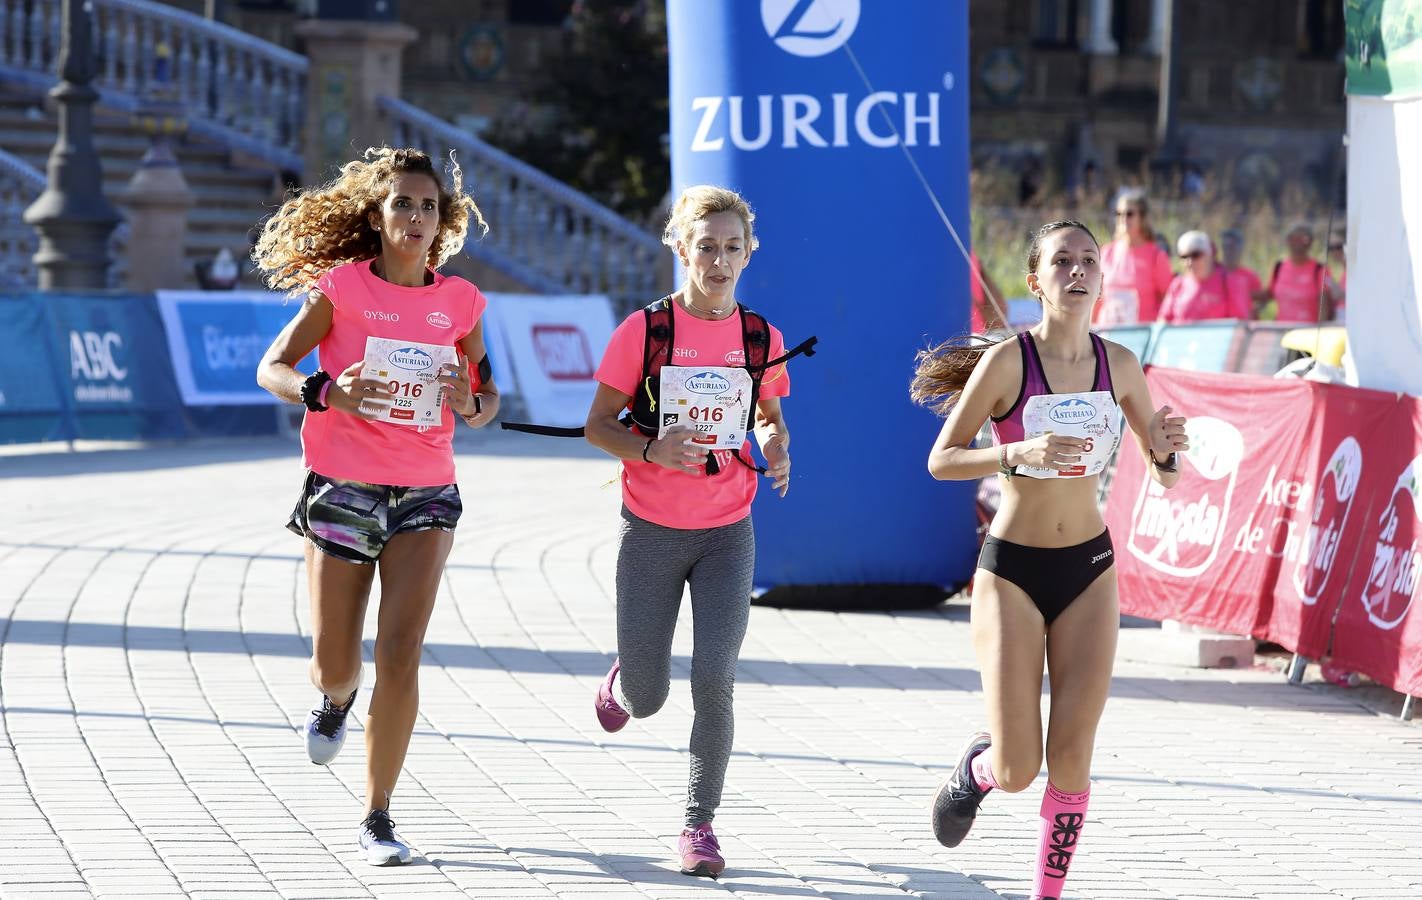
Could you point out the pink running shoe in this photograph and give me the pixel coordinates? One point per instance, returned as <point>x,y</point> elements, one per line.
<point>700,851</point>
<point>610,714</point>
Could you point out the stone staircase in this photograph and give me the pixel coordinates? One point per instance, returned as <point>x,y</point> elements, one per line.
<point>232,195</point>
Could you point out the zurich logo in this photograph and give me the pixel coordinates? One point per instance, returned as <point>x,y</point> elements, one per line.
<point>1072,412</point>
<point>809,27</point>
<point>412,359</point>
<point>707,383</point>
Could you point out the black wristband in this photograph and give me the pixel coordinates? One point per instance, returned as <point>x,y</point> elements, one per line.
<point>311,390</point>
<point>646,448</point>
<point>1171,463</point>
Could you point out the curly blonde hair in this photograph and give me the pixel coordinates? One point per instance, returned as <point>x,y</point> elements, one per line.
<point>327,226</point>
<point>702,201</point>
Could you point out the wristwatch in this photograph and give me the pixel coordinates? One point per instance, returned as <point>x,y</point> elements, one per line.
<point>1171,464</point>
<point>311,390</point>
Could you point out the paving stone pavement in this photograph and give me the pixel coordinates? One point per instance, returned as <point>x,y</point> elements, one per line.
<point>153,651</point>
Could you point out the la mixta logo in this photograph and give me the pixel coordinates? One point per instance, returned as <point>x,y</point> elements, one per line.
<point>1394,573</point>
<point>809,27</point>
<point>1332,502</point>
<point>412,359</point>
<point>1075,411</point>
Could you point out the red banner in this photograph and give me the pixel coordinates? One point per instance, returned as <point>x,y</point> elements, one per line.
<point>1207,551</point>
<point>1296,501</point>
<point>1379,629</point>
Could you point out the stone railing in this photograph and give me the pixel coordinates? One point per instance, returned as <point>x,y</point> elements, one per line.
<point>541,231</point>
<point>20,184</point>
<point>238,89</point>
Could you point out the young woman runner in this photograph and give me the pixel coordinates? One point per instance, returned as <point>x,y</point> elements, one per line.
<point>1045,586</point>
<point>684,520</point>
<point>380,493</point>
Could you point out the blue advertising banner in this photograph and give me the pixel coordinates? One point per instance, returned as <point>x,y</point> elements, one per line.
<point>111,354</point>
<point>33,405</point>
<point>216,339</point>
<point>844,123</point>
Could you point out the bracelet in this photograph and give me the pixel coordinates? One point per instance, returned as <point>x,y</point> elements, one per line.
<point>646,448</point>
<point>1002,466</point>
<point>325,389</point>
<point>1171,464</point>
<point>312,391</point>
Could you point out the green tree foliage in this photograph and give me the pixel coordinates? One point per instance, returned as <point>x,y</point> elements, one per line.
<point>597,116</point>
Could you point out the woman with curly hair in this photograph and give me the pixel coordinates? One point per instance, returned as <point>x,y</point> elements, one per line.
<point>1045,588</point>
<point>380,492</point>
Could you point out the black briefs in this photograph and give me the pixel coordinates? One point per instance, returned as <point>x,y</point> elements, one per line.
<point>1051,576</point>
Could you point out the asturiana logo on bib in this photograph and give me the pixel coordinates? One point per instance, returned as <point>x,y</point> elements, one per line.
<point>809,27</point>
<point>438,319</point>
<point>411,358</point>
<point>1072,412</point>
<point>707,383</point>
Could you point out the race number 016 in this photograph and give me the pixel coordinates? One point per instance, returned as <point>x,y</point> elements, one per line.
<point>707,413</point>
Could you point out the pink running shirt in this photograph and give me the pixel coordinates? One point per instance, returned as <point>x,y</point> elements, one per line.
<point>665,496</point>
<point>1190,299</point>
<point>343,446</point>
<point>1244,282</point>
<point>1136,278</point>
<point>1295,287</point>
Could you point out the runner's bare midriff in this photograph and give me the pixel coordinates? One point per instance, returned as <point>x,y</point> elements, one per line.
<point>1058,512</point>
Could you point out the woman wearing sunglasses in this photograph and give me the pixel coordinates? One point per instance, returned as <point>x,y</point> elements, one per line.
<point>1137,271</point>
<point>1202,291</point>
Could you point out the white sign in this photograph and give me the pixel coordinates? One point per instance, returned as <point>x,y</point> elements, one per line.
<point>552,345</point>
<point>411,371</point>
<point>712,400</point>
<point>1091,415</point>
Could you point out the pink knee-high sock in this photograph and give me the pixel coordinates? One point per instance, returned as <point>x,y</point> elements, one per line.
<point>1063,815</point>
<point>982,771</point>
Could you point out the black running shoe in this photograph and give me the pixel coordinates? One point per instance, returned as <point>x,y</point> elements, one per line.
<point>958,798</point>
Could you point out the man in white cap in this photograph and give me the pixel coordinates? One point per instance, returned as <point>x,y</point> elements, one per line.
<point>1201,292</point>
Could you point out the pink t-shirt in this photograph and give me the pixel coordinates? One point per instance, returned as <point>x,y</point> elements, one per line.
<point>1136,278</point>
<point>1190,299</point>
<point>1243,282</point>
<point>1295,287</point>
<point>347,447</point>
<point>976,296</point>
<point>666,496</point>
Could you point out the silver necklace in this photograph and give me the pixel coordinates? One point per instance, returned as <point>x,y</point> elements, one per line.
<point>718,313</point>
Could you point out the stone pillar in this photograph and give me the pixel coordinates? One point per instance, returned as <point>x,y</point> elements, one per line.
<point>1155,41</point>
<point>353,63</point>
<point>72,216</point>
<point>157,196</point>
<point>1099,42</point>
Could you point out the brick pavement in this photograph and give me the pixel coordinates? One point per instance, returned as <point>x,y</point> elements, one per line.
<point>153,665</point>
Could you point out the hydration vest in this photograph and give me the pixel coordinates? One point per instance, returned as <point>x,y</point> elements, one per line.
<point>657,351</point>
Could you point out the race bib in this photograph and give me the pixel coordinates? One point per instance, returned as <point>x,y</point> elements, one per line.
<point>1120,306</point>
<point>410,370</point>
<point>1092,415</point>
<point>713,400</point>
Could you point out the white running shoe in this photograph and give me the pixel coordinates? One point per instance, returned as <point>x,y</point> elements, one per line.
<point>378,840</point>
<point>326,729</point>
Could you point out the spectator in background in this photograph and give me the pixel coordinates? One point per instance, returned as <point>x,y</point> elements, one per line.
<point>1299,283</point>
<point>1242,280</point>
<point>1137,271</point>
<point>984,315</point>
<point>1201,291</point>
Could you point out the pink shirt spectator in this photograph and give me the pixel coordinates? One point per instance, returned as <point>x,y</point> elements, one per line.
<point>1190,299</point>
<point>680,499</point>
<point>1136,278</point>
<point>1243,282</point>
<point>1296,287</point>
<point>343,446</point>
<point>976,294</point>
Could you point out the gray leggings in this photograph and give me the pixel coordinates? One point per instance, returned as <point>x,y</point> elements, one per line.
<point>653,564</point>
